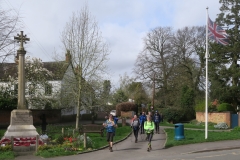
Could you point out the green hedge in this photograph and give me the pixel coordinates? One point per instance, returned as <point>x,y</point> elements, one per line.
<point>225,107</point>
<point>200,107</point>
<point>8,103</point>
<point>172,114</point>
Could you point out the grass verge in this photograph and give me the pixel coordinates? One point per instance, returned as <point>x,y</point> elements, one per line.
<point>192,124</point>
<point>7,155</point>
<point>198,136</point>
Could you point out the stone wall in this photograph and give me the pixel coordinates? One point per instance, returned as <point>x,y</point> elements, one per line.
<point>215,117</point>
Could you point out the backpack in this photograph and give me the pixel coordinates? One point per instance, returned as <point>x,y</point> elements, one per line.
<point>136,123</point>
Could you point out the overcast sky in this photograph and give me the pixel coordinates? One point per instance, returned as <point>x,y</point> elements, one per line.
<point>123,24</point>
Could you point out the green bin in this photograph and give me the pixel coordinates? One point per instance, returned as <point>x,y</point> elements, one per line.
<point>179,131</point>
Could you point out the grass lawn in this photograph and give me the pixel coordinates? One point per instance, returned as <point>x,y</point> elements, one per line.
<point>2,131</point>
<point>192,124</point>
<point>198,136</point>
<point>97,142</point>
<point>7,155</point>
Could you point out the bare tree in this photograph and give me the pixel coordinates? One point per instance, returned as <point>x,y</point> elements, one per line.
<point>157,57</point>
<point>81,36</point>
<point>187,44</point>
<point>8,29</point>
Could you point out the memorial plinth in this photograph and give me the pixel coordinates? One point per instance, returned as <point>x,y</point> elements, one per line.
<point>21,124</point>
<point>21,131</point>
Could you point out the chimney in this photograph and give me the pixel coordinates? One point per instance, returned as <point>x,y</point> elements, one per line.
<point>68,56</point>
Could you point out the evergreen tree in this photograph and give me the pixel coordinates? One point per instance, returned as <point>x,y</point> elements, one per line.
<point>224,70</point>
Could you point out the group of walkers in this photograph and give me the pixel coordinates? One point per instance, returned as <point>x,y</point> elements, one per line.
<point>145,123</point>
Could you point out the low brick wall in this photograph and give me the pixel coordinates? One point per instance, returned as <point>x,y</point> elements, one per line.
<point>215,117</point>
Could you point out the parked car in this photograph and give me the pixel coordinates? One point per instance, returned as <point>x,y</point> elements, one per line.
<point>113,112</point>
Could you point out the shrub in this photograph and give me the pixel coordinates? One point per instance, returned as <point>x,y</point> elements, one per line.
<point>5,148</point>
<point>45,147</point>
<point>60,139</point>
<point>200,107</point>
<point>126,106</point>
<point>225,107</point>
<point>172,114</point>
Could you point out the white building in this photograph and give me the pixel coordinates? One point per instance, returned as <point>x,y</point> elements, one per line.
<point>55,92</point>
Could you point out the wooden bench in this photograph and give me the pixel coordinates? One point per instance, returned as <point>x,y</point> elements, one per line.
<point>92,128</point>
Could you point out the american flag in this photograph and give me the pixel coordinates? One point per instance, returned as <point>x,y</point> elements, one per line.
<point>216,33</point>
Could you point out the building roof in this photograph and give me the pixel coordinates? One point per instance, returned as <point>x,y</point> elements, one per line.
<point>57,68</point>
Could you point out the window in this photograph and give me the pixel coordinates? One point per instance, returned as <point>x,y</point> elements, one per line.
<point>48,89</point>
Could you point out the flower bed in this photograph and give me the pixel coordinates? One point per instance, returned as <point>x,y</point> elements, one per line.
<point>21,141</point>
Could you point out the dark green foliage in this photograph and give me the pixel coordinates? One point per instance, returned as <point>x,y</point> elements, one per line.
<point>225,107</point>
<point>7,101</point>
<point>187,103</point>
<point>60,139</point>
<point>48,105</point>
<point>187,97</point>
<point>200,106</point>
<point>172,114</point>
<point>119,97</point>
<point>224,71</point>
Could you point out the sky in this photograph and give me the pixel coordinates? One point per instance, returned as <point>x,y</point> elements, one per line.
<point>123,23</point>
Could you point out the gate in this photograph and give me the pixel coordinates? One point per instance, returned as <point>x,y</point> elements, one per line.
<point>234,120</point>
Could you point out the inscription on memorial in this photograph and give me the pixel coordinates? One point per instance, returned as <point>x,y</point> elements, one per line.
<point>21,118</point>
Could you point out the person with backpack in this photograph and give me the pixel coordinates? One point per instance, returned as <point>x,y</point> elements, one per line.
<point>142,119</point>
<point>157,120</point>
<point>149,129</point>
<point>135,126</point>
<point>110,126</point>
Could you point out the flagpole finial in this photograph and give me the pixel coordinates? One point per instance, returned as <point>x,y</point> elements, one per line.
<point>207,8</point>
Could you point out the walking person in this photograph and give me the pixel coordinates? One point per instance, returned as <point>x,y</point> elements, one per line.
<point>135,126</point>
<point>149,128</point>
<point>157,120</point>
<point>110,126</point>
<point>142,119</point>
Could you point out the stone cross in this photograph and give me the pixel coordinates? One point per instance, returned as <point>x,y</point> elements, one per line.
<point>21,70</point>
<point>21,38</point>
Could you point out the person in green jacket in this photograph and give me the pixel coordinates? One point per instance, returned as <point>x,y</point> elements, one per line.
<point>149,129</point>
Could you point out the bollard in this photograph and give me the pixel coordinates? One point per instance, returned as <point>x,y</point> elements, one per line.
<point>73,132</point>
<point>12,142</point>
<point>123,121</point>
<point>85,140</point>
<point>37,142</point>
<point>63,131</point>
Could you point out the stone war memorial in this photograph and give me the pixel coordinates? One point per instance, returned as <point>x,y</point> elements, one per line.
<point>21,133</point>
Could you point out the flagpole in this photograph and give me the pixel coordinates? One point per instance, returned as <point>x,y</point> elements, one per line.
<point>206,92</point>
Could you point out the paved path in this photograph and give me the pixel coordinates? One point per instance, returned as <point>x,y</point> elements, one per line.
<point>129,150</point>
<point>126,149</point>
